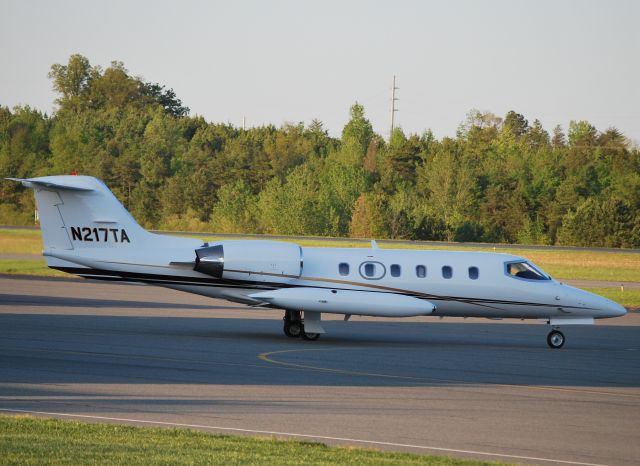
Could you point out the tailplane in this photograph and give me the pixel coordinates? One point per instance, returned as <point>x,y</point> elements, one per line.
<point>79,212</point>
<point>84,225</point>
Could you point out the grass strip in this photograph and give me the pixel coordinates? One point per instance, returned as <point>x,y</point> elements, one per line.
<point>34,441</point>
<point>36,267</point>
<point>20,241</point>
<point>629,298</point>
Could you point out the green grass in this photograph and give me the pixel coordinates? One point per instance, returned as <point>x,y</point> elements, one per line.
<point>36,267</point>
<point>560,263</point>
<point>20,241</point>
<point>33,441</point>
<point>629,298</point>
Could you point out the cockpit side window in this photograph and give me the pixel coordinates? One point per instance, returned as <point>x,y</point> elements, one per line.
<point>525,270</point>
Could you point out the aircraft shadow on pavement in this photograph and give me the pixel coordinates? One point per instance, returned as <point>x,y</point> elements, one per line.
<point>94,349</point>
<point>64,301</point>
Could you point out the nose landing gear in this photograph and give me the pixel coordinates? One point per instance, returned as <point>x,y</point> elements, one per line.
<point>555,339</point>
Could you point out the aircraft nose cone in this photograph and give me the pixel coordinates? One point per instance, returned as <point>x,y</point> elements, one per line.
<point>599,305</point>
<point>610,308</point>
<point>615,309</point>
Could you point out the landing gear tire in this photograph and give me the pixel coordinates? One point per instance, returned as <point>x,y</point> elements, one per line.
<point>293,329</point>
<point>555,339</point>
<point>293,324</point>
<point>310,336</point>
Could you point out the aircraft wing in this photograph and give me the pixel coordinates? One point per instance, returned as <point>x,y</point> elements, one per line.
<point>351,302</point>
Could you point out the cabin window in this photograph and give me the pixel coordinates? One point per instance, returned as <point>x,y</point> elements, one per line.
<point>395,270</point>
<point>371,270</point>
<point>525,270</point>
<point>447,272</point>
<point>343,268</point>
<point>421,271</point>
<point>473,273</point>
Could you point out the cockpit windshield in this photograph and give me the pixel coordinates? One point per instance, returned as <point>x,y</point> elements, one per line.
<point>525,270</point>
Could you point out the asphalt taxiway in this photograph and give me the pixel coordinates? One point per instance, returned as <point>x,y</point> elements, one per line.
<point>488,390</point>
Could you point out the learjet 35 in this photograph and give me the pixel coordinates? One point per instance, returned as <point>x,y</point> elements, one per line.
<point>86,231</point>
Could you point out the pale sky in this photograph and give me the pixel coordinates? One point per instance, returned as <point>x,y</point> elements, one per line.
<point>290,61</point>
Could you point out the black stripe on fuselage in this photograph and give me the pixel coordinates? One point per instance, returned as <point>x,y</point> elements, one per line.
<point>159,279</point>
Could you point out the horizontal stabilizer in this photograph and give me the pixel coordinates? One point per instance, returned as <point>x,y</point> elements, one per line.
<point>75,185</point>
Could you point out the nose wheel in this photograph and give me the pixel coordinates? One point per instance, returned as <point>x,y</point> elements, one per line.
<point>555,339</point>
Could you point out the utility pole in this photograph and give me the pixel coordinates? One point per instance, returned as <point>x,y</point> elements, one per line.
<point>243,123</point>
<point>393,103</point>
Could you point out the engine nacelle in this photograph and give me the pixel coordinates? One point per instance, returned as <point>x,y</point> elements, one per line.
<point>251,260</point>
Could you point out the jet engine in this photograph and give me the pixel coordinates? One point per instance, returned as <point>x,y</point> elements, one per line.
<point>251,260</point>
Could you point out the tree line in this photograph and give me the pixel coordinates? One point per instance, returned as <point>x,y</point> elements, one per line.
<point>498,180</point>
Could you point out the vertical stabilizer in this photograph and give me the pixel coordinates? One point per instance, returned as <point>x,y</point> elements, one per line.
<point>79,212</point>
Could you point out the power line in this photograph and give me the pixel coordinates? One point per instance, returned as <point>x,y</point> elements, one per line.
<point>393,103</point>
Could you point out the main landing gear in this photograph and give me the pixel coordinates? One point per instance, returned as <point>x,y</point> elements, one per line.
<point>294,326</point>
<point>555,339</point>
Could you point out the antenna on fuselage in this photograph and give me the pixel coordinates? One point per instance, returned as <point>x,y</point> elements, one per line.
<point>374,245</point>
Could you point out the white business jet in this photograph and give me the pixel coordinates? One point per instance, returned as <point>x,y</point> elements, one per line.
<point>87,232</point>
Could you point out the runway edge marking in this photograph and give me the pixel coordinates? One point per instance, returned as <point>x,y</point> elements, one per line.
<point>291,434</point>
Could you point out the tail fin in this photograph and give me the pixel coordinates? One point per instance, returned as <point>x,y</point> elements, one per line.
<point>78,212</point>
